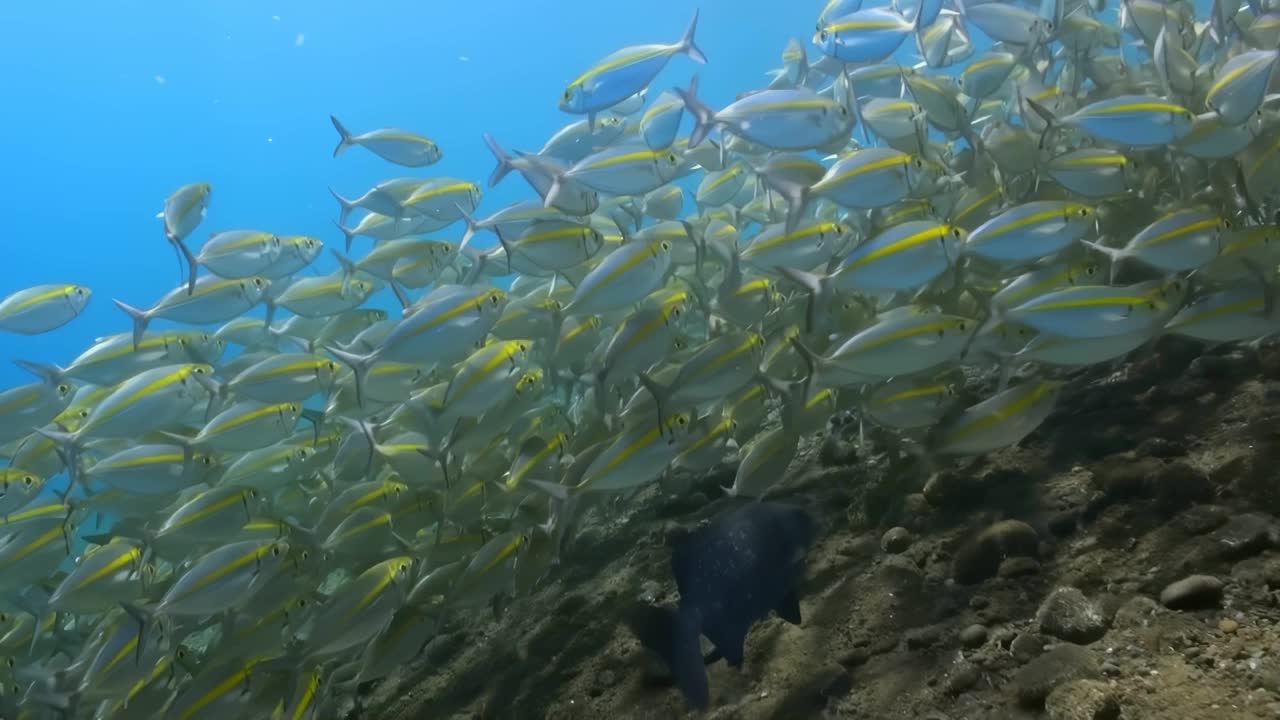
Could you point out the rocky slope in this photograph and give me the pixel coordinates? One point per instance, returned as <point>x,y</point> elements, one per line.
<point>1122,562</point>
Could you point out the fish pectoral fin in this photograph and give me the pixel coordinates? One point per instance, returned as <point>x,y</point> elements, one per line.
<point>789,608</point>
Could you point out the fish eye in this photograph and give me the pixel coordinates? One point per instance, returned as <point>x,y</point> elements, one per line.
<point>198,371</point>
<point>955,232</point>
<point>404,568</point>
<point>567,94</point>
<point>305,555</point>
<point>672,158</point>
<point>962,326</point>
<point>919,163</point>
<point>1226,224</point>
<point>206,460</point>
<point>28,480</point>
<point>275,550</point>
<point>84,413</point>
<point>4,617</point>
<point>822,35</point>
<point>80,292</point>
<point>257,281</point>
<point>302,455</point>
<point>293,407</point>
<point>1084,212</point>
<point>666,245</point>
<point>181,654</point>
<point>64,388</point>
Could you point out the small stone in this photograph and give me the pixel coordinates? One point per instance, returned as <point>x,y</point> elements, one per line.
<point>1196,592</point>
<point>896,540</point>
<point>973,636</point>
<point>916,504</point>
<point>1200,519</point>
<point>980,558</point>
<point>1027,646</point>
<point>1063,523</point>
<point>1082,700</point>
<point>1243,535</point>
<point>923,637</point>
<point>1179,485</point>
<point>1068,615</point>
<point>963,675</point>
<point>1063,664</point>
<point>1018,567</point>
<point>1227,625</point>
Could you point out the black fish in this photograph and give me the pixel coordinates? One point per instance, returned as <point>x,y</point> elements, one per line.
<point>730,573</point>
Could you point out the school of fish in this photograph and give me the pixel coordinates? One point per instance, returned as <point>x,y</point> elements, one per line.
<point>255,520</point>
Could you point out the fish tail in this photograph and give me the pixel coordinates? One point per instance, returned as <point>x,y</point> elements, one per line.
<point>504,160</point>
<point>51,374</point>
<point>347,235</point>
<point>661,396</point>
<point>344,139</point>
<point>472,226</point>
<point>558,492</point>
<point>1114,255</point>
<point>192,264</point>
<point>553,193</point>
<point>687,44</point>
<point>1050,120</point>
<point>795,194</point>
<point>359,365</point>
<point>704,118</point>
<point>141,319</point>
<point>816,285</point>
<point>143,617</point>
<point>347,206</point>
<point>685,661</point>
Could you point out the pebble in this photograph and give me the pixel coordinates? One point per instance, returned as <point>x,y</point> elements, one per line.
<point>1082,700</point>
<point>1243,535</point>
<point>963,675</point>
<point>1027,646</point>
<point>1018,567</point>
<point>1227,625</point>
<point>973,636</point>
<point>980,559</point>
<point>1195,592</point>
<point>923,637</point>
<point>1063,664</point>
<point>896,540</point>
<point>1068,615</point>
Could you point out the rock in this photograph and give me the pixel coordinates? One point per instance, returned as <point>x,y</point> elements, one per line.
<point>1082,700</point>
<point>1201,519</point>
<point>980,558</point>
<point>1243,535</point>
<point>962,676</point>
<point>1227,625</point>
<point>916,504</point>
<point>923,637</point>
<point>1063,664</point>
<point>1068,615</point>
<point>896,540</point>
<point>1063,523</point>
<point>1161,448</point>
<point>1179,485</point>
<point>1018,567</point>
<point>954,490</point>
<point>900,573</point>
<point>974,636</point>
<point>1026,646</point>
<point>1197,592</point>
<point>832,681</point>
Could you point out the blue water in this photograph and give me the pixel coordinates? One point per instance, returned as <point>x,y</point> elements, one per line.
<point>110,106</point>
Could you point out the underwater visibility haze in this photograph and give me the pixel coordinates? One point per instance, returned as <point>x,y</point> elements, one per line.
<point>525,360</point>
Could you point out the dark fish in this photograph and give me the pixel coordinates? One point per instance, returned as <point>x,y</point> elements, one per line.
<point>730,573</point>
